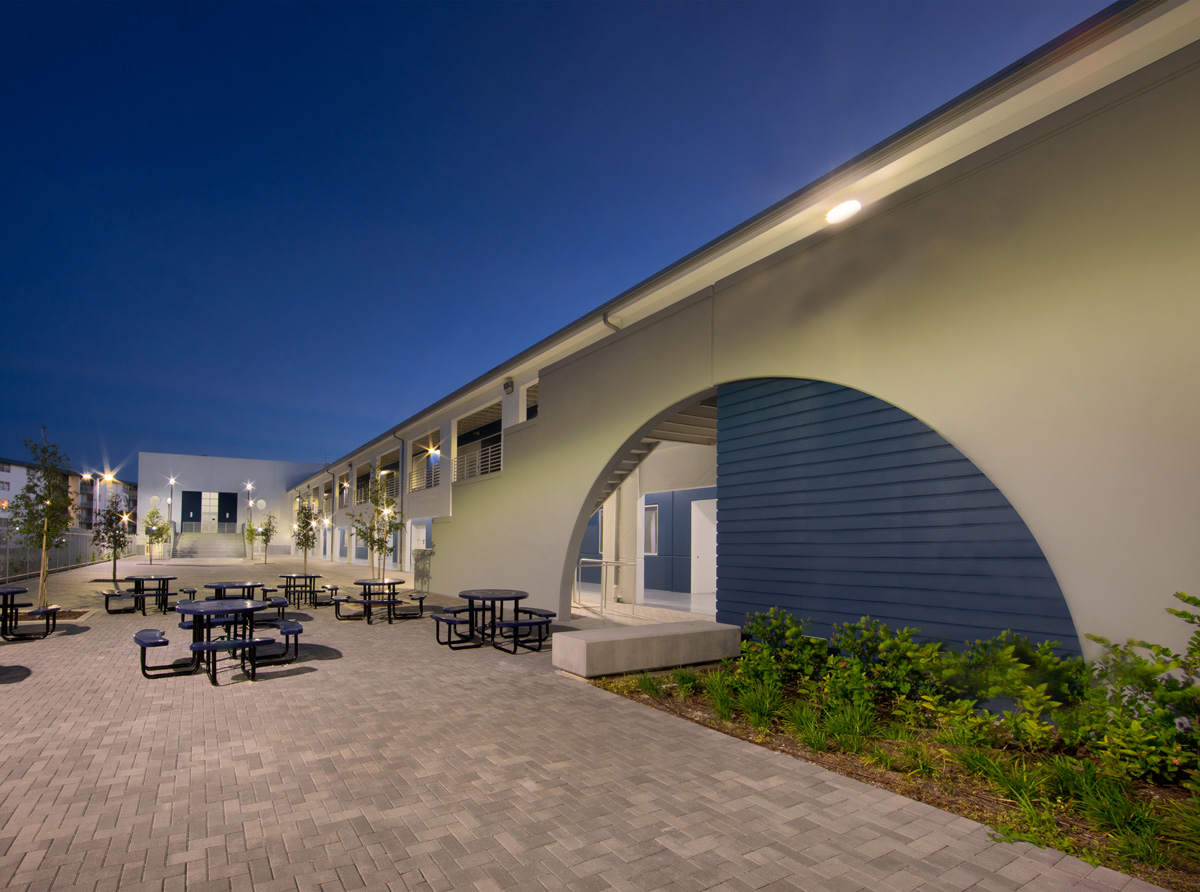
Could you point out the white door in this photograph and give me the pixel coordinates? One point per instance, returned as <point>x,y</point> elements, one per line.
<point>704,546</point>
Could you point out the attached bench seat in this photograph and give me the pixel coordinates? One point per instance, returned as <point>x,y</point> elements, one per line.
<point>397,607</point>
<point>148,638</point>
<point>618,649</point>
<point>529,631</point>
<point>48,613</point>
<point>457,629</point>
<point>290,630</point>
<point>249,653</point>
<point>138,602</point>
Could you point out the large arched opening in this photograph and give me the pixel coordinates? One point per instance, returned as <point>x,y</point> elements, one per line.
<point>822,500</point>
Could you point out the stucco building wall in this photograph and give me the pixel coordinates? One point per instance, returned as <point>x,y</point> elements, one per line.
<point>1035,303</point>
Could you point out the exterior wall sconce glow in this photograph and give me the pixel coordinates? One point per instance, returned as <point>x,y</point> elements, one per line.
<point>843,211</point>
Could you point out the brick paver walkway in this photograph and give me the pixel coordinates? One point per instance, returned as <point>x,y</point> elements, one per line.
<point>382,761</point>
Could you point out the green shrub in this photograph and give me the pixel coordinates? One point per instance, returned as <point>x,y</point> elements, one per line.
<point>880,758</point>
<point>898,731</point>
<point>1067,778</point>
<point>718,686</point>
<point>1023,781</point>
<point>845,681</point>
<point>1109,803</point>
<point>1147,713</point>
<point>760,701</point>
<point>816,740</point>
<point>1181,828</point>
<point>894,665</point>
<point>980,763</point>
<point>685,679</point>
<point>649,685</point>
<point>850,724</point>
<point>800,718</point>
<point>776,648</point>
<point>1025,726</point>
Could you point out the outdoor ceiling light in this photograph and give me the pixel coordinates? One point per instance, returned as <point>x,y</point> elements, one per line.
<point>843,211</point>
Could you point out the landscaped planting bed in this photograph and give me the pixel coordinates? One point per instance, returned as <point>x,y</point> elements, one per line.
<point>1099,760</point>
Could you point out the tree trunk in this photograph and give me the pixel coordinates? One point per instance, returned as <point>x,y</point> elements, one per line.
<point>45,568</point>
<point>306,562</point>
<point>115,586</point>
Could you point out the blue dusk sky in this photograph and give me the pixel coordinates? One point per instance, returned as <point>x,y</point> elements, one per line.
<point>274,230</point>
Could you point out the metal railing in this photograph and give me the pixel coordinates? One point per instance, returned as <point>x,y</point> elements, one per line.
<point>424,476</point>
<point>610,585</point>
<point>73,550</point>
<point>487,460</point>
<point>208,526</point>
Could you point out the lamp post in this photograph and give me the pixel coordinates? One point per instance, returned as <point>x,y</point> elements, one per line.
<point>170,502</point>
<point>250,514</point>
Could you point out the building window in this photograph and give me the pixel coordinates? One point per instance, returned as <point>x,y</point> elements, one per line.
<point>3,486</point>
<point>3,504</point>
<point>5,468</point>
<point>651,530</point>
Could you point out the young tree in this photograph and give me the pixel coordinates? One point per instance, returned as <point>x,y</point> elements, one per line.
<point>251,535</point>
<point>375,528</point>
<point>157,531</point>
<point>41,512</point>
<point>304,530</point>
<point>266,533</point>
<point>112,532</point>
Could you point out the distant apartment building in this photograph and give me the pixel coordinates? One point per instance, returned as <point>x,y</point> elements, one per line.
<point>90,493</point>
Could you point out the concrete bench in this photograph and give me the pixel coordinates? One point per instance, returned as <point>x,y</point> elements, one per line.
<point>619,649</point>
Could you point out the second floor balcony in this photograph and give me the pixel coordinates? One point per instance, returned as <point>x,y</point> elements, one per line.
<point>478,462</point>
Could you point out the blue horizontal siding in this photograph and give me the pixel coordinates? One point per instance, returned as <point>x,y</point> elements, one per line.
<point>834,505</point>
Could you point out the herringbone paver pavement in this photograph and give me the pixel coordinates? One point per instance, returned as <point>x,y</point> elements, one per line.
<point>382,761</point>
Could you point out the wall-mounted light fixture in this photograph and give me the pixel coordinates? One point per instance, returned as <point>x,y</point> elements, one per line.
<point>843,211</point>
<point>508,385</point>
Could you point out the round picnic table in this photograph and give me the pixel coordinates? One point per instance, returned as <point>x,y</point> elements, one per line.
<point>154,585</point>
<point>379,592</point>
<point>375,586</point>
<point>205,612</point>
<point>297,586</point>
<point>487,608</point>
<point>222,587</point>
